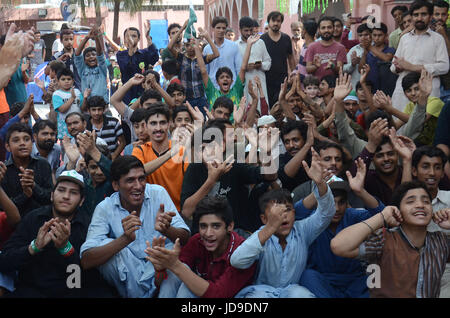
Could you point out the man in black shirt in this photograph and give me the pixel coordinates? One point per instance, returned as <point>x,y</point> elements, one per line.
<point>279,46</point>
<point>222,178</point>
<point>28,179</point>
<point>44,249</point>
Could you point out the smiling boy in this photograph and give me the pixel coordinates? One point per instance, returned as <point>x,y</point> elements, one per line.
<point>202,268</point>
<point>92,65</point>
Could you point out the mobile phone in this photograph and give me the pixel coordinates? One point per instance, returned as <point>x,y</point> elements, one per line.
<point>258,62</point>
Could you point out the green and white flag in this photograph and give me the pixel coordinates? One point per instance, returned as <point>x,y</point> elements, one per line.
<point>190,30</point>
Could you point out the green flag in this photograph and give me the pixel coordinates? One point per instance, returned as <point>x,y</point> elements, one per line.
<point>190,30</point>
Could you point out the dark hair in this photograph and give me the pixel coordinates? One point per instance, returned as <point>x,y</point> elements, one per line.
<point>219,123</point>
<point>180,109</point>
<point>132,29</point>
<point>310,27</point>
<point>122,165</point>
<point>311,80</point>
<point>159,108</point>
<point>406,13</point>
<point>418,4</point>
<point>323,145</point>
<point>359,86</point>
<point>64,72</point>
<point>150,93</point>
<point>40,125</point>
<point>275,14</point>
<point>170,66</point>
<point>428,151</point>
<point>218,20</point>
<point>19,127</point>
<point>325,18</point>
<point>139,115</point>
<point>96,101</point>
<point>440,4</point>
<point>57,66</point>
<point>75,114</point>
<point>64,31</point>
<point>340,193</point>
<point>402,189</point>
<point>363,27</point>
<point>217,205</point>
<point>2,39</point>
<point>255,23</point>
<point>410,79</point>
<point>175,87</point>
<point>382,27</point>
<point>399,8</point>
<point>274,196</point>
<point>225,102</point>
<point>337,20</point>
<point>246,22</point>
<point>224,69</point>
<point>172,26</point>
<point>291,125</point>
<point>229,30</point>
<point>103,150</point>
<point>330,79</point>
<point>16,108</point>
<point>87,50</point>
<point>157,76</point>
<point>384,140</point>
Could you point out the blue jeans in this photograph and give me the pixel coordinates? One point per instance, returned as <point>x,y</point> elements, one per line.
<point>266,291</point>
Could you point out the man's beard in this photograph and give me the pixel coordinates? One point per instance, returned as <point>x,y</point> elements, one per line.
<point>46,145</point>
<point>327,38</point>
<point>420,26</point>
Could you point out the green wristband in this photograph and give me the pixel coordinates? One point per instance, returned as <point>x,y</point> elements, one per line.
<point>33,246</point>
<point>65,249</point>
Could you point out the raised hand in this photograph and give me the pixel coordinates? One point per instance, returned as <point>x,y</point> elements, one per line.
<point>357,183</point>
<point>195,112</point>
<point>87,93</point>
<point>355,58</point>
<point>425,84</point>
<point>72,151</point>
<point>377,130</point>
<point>276,216</point>
<point>403,145</point>
<point>364,73</point>
<point>60,233</point>
<point>137,79</point>
<point>252,39</point>
<point>208,112</point>
<point>239,112</point>
<point>86,141</point>
<point>43,237</point>
<point>283,91</point>
<point>392,216</point>
<point>251,90</point>
<point>163,257</point>
<point>130,224</point>
<point>163,220</point>
<point>27,181</point>
<point>159,241</point>
<point>316,172</point>
<point>268,138</point>
<point>442,218</point>
<point>217,169</point>
<point>317,62</point>
<point>343,86</point>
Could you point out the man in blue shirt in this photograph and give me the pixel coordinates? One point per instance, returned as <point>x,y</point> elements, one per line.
<point>123,223</point>
<point>281,245</point>
<point>327,275</point>
<point>133,60</point>
<point>230,55</point>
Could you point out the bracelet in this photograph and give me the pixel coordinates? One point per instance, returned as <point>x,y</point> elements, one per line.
<point>34,248</point>
<point>67,250</point>
<point>161,273</point>
<point>384,221</point>
<point>368,226</point>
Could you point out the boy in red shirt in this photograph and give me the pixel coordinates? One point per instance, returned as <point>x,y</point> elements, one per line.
<point>202,267</point>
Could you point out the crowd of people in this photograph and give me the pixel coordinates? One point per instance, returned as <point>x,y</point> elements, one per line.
<point>272,166</point>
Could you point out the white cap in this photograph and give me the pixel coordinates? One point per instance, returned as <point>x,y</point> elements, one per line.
<point>266,120</point>
<point>71,175</point>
